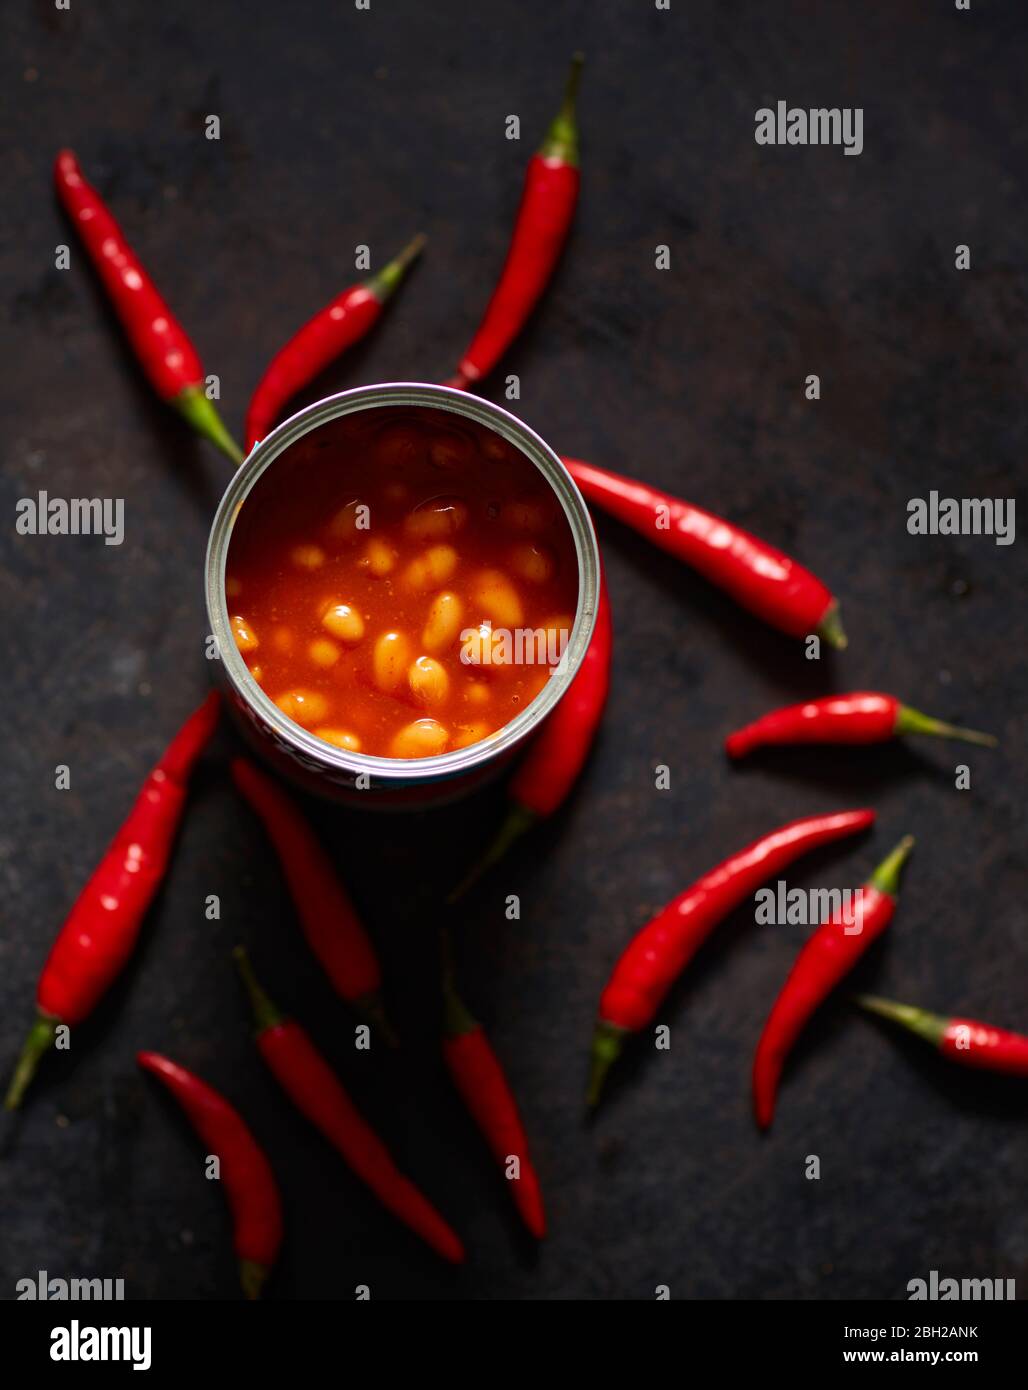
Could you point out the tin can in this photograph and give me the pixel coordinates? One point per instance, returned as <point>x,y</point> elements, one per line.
<point>359,778</point>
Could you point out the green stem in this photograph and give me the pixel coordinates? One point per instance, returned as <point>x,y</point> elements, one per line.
<point>830,628</point>
<point>608,1040</point>
<point>253,1277</point>
<point>912,721</point>
<point>519,820</point>
<point>201,414</point>
<point>561,139</point>
<point>931,1027</point>
<point>37,1044</point>
<point>385,282</point>
<point>887,876</point>
<point>266,1014</point>
<point>457,1018</point>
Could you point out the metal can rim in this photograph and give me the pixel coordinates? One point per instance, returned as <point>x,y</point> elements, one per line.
<point>401,771</point>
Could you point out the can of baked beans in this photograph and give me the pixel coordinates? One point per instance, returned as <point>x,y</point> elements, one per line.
<point>401,582</point>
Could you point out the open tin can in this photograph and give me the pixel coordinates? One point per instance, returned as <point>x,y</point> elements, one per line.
<point>336,772</point>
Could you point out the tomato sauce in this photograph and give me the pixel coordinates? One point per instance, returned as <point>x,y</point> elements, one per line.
<point>402,582</point>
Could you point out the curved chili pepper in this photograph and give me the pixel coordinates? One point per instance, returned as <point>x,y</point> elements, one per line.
<point>159,341</point>
<point>334,931</point>
<point>825,958</point>
<point>479,1078</point>
<point>963,1040</point>
<point>863,717</point>
<point>758,577</point>
<point>250,1186</point>
<point>316,1091</point>
<point>558,752</point>
<point>101,930</point>
<point>660,951</point>
<point>322,338</point>
<point>540,231</point>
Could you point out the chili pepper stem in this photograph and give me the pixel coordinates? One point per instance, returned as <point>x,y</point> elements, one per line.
<point>912,721</point>
<point>386,280</point>
<point>37,1044</point>
<point>831,630</point>
<point>459,382</point>
<point>887,876</point>
<point>265,1013</point>
<point>608,1041</point>
<point>253,1277</point>
<point>926,1025</point>
<point>519,820</point>
<point>201,414</point>
<point>561,140</point>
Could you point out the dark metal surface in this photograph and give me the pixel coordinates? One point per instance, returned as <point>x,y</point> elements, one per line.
<point>341,127</point>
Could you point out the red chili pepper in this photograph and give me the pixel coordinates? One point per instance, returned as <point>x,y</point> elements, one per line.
<point>660,951</point>
<point>540,231</point>
<point>165,353</point>
<point>825,959</point>
<point>863,717</point>
<point>334,931</point>
<point>102,928</point>
<point>330,332</point>
<point>963,1040</point>
<point>317,1093</point>
<point>758,577</point>
<point>557,755</point>
<point>250,1186</point>
<point>480,1080</point>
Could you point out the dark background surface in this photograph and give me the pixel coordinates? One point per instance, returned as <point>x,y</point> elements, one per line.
<point>341,127</point>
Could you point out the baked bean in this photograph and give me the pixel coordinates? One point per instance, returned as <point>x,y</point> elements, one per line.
<point>442,516</point>
<point>433,566</point>
<point>342,738</point>
<point>349,521</point>
<point>443,622</point>
<point>523,516</point>
<point>532,562</point>
<point>379,559</point>
<point>422,739</point>
<point>390,660</point>
<point>246,638</point>
<point>323,652</point>
<point>344,622</point>
<point>398,446</point>
<point>429,682</point>
<point>304,707</point>
<point>258,673</point>
<point>449,450</point>
<point>481,646</point>
<point>307,557</point>
<point>497,598</point>
<point>477,693</point>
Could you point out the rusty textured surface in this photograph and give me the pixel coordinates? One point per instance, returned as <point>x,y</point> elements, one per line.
<point>341,127</point>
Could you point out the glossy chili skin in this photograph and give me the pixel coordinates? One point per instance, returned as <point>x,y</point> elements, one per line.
<point>159,341</point>
<point>864,716</point>
<point>758,577</point>
<point>660,950</point>
<point>540,231</point>
<point>477,1074</point>
<point>330,923</point>
<point>102,928</point>
<point>246,1174</point>
<point>556,756</point>
<point>333,329</point>
<point>825,959</point>
<point>967,1041</point>
<point>316,1091</point>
